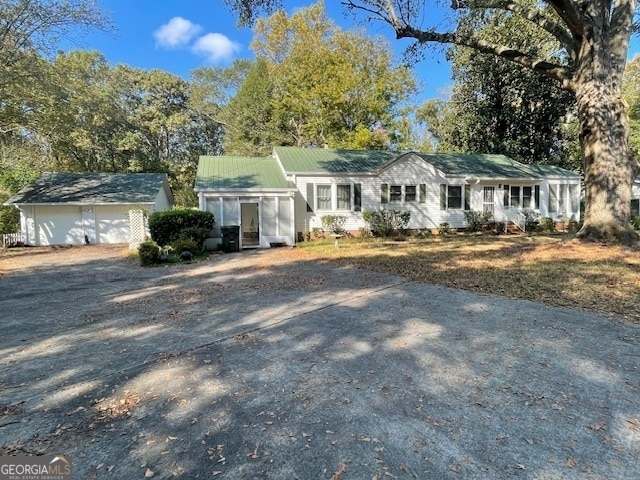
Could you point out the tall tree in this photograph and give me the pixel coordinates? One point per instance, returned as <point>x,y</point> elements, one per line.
<point>30,30</point>
<point>250,126</point>
<point>497,107</point>
<point>330,86</point>
<point>595,36</point>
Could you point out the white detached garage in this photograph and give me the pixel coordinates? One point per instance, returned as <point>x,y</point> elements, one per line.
<point>76,208</point>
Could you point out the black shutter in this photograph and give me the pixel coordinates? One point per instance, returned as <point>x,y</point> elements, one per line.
<point>357,197</point>
<point>384,193</point>
<point>310,188</point>
<point>443,196</point>
<point>467,197</point>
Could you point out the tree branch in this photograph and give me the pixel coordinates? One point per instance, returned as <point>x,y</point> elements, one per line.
<point>533,15</point>
<point>563,75</point>
<point>620,34</point>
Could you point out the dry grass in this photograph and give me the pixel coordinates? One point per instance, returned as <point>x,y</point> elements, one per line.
<point>554,270</point>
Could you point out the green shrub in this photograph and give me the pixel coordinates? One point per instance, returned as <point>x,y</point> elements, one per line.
<point>334,223</point>
<point>635,221</point>
<point>476,220</point>
<point>149,253</point>
<point>531,220</point>
<point>547,224</point>
<point>170,225</point>
<point>497,228</point>
<point>364,232</point>
<point>9,216</point>
<point>184,244</point>
<point>444,228</point>
<point>387,223</point>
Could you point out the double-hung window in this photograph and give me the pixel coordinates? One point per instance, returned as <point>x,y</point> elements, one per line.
<point>344,197</point>
<point>409,193</point>
<point>395,193</point>
<point>450,197</point>
<point>323,197</point>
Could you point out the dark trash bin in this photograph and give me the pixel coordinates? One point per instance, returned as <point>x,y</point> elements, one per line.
<point>230,238</point>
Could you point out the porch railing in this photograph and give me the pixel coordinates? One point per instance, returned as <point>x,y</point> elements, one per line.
<point>12,240</point>
<point>516,217</point>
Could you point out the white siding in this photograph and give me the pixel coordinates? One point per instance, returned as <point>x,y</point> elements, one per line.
<point>112,223</point>
<point>162,201</point>
<point>59,225</point>
<point>409,171</point>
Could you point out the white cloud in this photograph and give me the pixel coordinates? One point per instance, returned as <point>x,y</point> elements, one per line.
<point>215,47</point>
<point>177,32</point>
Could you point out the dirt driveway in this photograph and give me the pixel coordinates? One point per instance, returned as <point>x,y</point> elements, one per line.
<point>267,364</point>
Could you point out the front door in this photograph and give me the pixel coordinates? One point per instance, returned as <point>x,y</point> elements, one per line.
<point>488,199</point>
<point>250,224</point>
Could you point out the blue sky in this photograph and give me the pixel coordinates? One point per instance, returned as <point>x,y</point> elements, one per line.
<point>180,35</point>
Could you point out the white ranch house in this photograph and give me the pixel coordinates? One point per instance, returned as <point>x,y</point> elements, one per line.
<point>278,198</point>
<point>78,208</point>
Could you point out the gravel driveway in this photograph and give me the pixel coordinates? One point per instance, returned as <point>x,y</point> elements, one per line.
<point>268,365</point>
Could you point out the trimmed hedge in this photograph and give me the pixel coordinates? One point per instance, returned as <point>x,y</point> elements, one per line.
<point>180,223</point>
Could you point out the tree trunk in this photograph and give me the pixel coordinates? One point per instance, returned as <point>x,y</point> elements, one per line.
<point>609,166</point>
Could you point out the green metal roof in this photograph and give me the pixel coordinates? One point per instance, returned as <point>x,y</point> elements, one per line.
<point>240,172</point>
<point>332,160</point>
<point>93,188</point>
<point>479,165</point>
<point>554,171</point>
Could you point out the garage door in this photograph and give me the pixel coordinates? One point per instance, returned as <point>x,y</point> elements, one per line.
<point>60,225</point>
<point>112,224</point>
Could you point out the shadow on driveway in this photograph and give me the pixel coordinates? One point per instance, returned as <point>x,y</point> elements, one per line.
<point>263,365</point>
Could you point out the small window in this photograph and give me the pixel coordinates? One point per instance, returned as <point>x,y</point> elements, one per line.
<point>505,190</point>
<point>527,197</point>
<point>454,196</point>
<point>515,197</point>
<point>395,193</point>
<point>323,194</point>
<point>562,198</point>
<point>384,193</point>
<point>410,193</point>
<point>344,197</point>
<point>635,206</point>
<point>574,198</point>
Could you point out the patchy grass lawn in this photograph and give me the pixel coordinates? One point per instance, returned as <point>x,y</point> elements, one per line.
<point>554,270</point>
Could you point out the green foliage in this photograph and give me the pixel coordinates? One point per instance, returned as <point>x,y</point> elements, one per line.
<point>387,223</point>
<point>327,86</point>
<point>532,220</point>
<point>476,220</point>
<point>185,244</point>
<point>547,224</point>
<point>170,225</point>
<point>498,107</point>
<point>9,216</point>
<point>444,228</point>
<point>149,253</point>
<point>635,221</point>
<point>334,223</point>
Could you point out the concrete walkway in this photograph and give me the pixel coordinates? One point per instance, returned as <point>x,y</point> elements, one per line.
<point>263,365</point>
